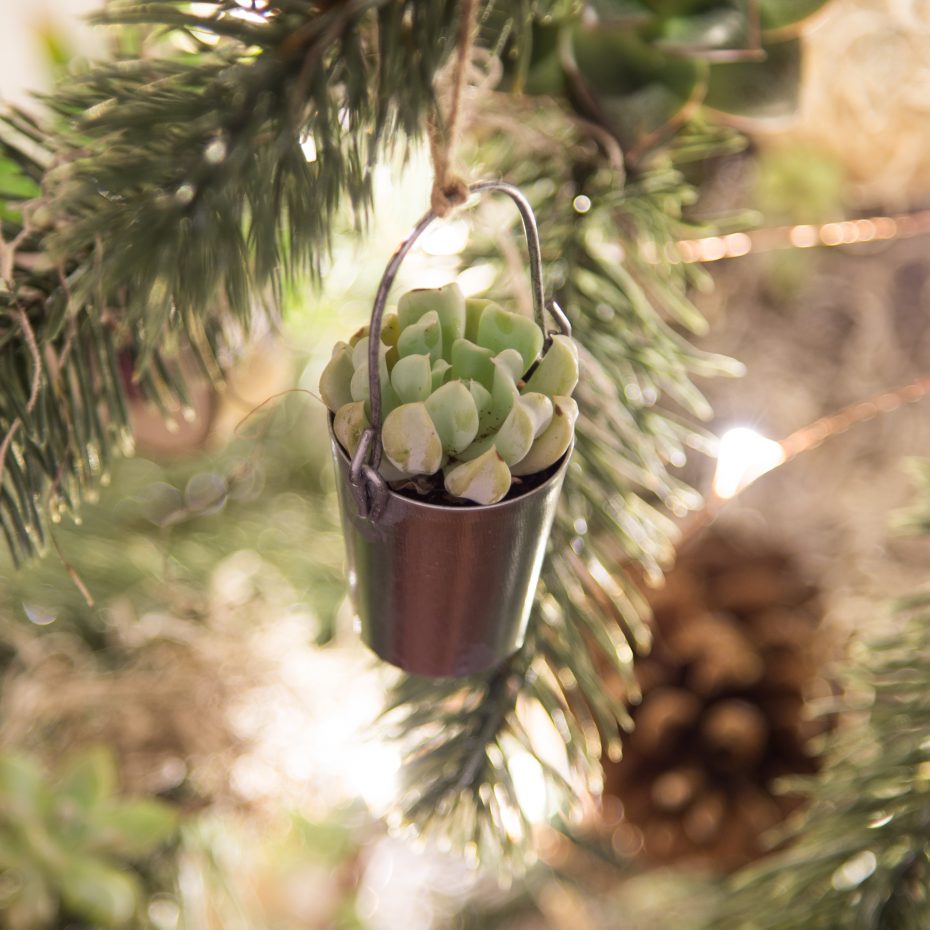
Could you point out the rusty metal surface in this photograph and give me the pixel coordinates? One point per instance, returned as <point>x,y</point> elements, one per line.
<point>445,591</point>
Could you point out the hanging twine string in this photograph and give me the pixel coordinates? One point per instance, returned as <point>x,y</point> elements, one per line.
<point>449,188</point>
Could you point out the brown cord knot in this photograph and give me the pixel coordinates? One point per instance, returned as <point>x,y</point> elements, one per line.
<point>444,197</point>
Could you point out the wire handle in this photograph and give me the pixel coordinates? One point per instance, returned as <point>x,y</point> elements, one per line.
<point>367,483</point>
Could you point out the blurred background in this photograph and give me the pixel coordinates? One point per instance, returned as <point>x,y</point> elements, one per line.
<point>216,670</point>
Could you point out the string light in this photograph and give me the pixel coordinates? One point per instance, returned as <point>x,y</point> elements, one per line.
<point>742,456</point>
<point>802,236</point>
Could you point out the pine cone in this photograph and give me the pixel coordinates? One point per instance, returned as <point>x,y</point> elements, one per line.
<point>735,658</point>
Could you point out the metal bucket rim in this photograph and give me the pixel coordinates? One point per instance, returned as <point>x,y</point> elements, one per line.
<point>484,508</point>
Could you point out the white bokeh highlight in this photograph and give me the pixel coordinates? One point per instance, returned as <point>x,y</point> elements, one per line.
<point>743,455</point>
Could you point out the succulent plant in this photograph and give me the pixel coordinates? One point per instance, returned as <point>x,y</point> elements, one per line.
<point>640,68</point>
<point>466,391</point>
<point>66,844</point>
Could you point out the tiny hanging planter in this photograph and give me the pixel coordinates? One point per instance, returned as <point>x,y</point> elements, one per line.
<point>452,424</point>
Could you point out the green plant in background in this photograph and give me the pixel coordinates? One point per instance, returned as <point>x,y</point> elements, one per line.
<point>790,185</point>
<point>640,68</point>
<point>463,389</point>
<point>800,184</point>
<point>291,873</point>
<point>160,528</point>
<point>67,843</point>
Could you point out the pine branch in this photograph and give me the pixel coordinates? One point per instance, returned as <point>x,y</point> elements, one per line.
<point>575,667</point>
<point>860,857</point>
<point>63,409</point>
<point>177,190</point>
<point>159,531</point>
<point>194,170</point>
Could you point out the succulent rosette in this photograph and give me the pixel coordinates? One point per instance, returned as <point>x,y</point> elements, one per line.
<point>466,393</point>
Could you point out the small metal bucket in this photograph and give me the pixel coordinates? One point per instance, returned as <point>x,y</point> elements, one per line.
<point>445,591</point>
<point>442,591</point>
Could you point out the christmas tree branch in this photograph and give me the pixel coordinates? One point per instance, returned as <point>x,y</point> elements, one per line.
<point>166,193</point>
<point>590,613</point>
<point>177,189</point>
<point>860,856</point>
<point>214,176</point>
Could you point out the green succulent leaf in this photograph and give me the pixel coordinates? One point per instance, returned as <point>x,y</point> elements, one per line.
<point>411,441</point>
<point>484,480</point>
<point>413,304</point>
<point>471,361</point>
<point>23,793</point>
<point>540,408</point>
<point>336,380</point>
<point>360,349</point>
<point>454,415</point>
<point>390,329</point>
<point>360,388</point>
<point>483,402</point>
<point>440,372</point>
<point>89,779</point>
<point>424,337</point>
<point>134,829</point>
<point>554,441</point>
<point>474,310</point>
<point>722,28</point>
<point>758,89</point>
<point>622,12</point>
<point>356,337</point>
<point>98,892</point>
<point>628,85</point>
<point>349,423</point>
<point>557,373</point>
<point>780,16</point>
<point>412,378</point>
<point>448,302</point>
<point>504,394</point>
<point>513,361</point>
<point>513,440</point>
<point>502,331</point>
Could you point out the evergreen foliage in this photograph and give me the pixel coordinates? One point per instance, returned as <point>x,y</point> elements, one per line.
<point>175,191</point>
<point>612,522</point>
<point>164,193</point>
<point>859,859</point>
